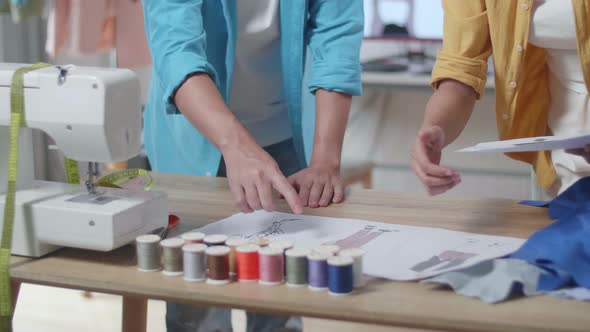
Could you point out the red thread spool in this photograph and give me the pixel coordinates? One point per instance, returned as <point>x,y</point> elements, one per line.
<point>271,266</point>
<point>247,263</point>
<point>233,243</point>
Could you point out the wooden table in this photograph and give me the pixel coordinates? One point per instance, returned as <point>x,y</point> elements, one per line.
<point>199,201</point>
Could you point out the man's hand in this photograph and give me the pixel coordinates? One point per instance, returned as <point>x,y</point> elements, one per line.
<point>426,156</point>
<point>318,185</point>
<point>252,174</point>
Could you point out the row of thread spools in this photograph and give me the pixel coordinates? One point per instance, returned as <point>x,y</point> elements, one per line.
<point>218,260</point>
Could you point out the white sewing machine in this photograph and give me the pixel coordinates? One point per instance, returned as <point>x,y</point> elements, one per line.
<point>94,115</point>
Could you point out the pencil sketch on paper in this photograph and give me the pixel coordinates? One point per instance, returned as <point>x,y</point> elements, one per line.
<point>393,251</point>
<point>272,230</point>
<point>445,260</point>
<point>361,237</point>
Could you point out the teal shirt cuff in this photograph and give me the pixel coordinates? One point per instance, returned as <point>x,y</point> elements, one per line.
<point>336,75</point>
<point>177,69</point>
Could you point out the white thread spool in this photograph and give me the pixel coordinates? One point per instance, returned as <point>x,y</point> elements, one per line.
<point>148,253</point>
<point>215,240</point>
<point>331,249</point>
<point>281,244</point>
<point>357,268</point>
<point>193,259</point>
<point>193,237</point>
<point>172,256</point>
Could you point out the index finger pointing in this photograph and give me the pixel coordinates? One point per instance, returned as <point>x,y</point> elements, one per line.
<point>286,189</point>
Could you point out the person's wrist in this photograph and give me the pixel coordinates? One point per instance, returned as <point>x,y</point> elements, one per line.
<point>329,161</point>
<point>234,137</point>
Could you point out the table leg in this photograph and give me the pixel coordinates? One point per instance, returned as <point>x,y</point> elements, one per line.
<point>15,289</point>
<point>134,314</point>
<point>368,181</point>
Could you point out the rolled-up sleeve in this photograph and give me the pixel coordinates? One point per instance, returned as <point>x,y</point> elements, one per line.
<point>177,42</point>
<point>334,37</point>
<point>466,45</point>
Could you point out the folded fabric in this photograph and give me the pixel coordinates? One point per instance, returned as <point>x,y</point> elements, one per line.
<point>493,281</point>
<point>563,248</point>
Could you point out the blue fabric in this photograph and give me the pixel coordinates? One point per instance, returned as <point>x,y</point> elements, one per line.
<point>199,36</point>
<point>563,248</point>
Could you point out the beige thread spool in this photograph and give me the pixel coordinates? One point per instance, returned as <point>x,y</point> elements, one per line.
<point>148,253</point>
<point>260,241</point>
<point>172,256</point>
<point>233,243</point>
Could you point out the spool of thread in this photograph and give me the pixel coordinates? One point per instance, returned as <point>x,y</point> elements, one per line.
<point>172,256</point>
<point>296,264</point>
<point>247,263</point>
<point>215,240</point>
<point>357,268</point>
<point>217,265</point>
<point>193,237</point>
<point>331,249</point>
<point>317,270</point>
<point>283,245</point>
<point>193,260</point>
<point>233,243</point>
<point>260,241</point>
<point>271,266</point>
<point>340,276</point>
<point>148,253</point>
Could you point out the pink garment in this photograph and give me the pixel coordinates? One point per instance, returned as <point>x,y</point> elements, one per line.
<point>90,26</point>
<point>130,39</point>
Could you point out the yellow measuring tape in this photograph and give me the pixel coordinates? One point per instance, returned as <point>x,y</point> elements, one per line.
<point>17,121</point>
<point>118,179</point>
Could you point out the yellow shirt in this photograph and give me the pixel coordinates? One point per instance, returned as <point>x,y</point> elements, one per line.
<point>476,29</point>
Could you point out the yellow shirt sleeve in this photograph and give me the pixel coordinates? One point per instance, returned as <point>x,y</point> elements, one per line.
<point>466,45</point>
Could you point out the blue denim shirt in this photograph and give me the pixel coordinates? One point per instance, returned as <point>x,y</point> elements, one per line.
<point>199,36</point>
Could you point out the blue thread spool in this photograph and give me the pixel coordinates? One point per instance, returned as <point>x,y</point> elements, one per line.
<point>340,276</point>
<point>317,271</point>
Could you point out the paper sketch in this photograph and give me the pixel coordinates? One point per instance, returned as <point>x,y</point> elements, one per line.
<point>532,144</point>
<point>396,252</point>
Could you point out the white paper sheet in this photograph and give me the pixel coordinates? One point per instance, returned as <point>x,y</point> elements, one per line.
<point>532,144</point>
<point>395,252</point>
<point>578,294</point>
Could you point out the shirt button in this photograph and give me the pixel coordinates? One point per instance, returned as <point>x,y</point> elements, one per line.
<point>524,6</point>
<point>512,84</point>
<point>208,174</point>
<point>505,116</point>
<point>519,48</point>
